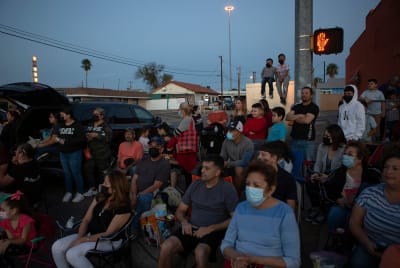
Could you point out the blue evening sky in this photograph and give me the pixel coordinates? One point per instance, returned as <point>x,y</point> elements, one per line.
<point>186,36</point>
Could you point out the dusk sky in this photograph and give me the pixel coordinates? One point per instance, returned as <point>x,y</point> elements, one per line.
<point>186,36</point>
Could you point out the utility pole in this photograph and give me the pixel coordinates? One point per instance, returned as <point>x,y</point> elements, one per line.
<point>220,74</point>
<point>324,72</point>
<point>254,77</point>
<point>130,85</point>
<point>239,70</point>
<point>303,55</point>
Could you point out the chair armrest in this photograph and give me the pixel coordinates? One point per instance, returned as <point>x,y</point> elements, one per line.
<point>64,229</point>
<point>37,239</point>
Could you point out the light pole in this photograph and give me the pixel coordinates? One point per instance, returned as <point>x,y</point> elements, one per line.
<point>230,8</point>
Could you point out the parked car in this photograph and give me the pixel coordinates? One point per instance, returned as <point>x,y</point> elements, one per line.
<point>228,103</point>
<point>38,100</point>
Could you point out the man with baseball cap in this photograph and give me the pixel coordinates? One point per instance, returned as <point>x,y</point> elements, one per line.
<point>236,151</point>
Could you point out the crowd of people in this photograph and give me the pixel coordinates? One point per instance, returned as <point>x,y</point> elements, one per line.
<point>250,217</point>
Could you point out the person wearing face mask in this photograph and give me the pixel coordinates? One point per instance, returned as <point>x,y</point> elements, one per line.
<point>346,183</point>
<point>236,151</point>
<point>263,231</point>
<point>329,158</point>
<point>351,116</point>
<point>150,175</point>
<point>107,213</point>
<point>282,75</point>
<point>218,115</point>
<point>268,74</point>
<point>98,136</point>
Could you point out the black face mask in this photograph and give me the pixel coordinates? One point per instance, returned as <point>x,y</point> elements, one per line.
<point>269,65</point>
<point>154,152</point>
<point>95,118</point>
<point>347,98</point>
<point>326,141</point>
<point>104,190</point>
<point>281,61</point>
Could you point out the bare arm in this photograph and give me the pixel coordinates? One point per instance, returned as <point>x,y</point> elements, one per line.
<point>86,219</point>
<point>155,186</point>
<point>134,190</point>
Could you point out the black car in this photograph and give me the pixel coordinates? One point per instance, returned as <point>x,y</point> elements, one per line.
<point>36,101</point>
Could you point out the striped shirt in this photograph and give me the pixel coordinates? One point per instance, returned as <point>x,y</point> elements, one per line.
<point>382,219</point>
<point>282,68</point>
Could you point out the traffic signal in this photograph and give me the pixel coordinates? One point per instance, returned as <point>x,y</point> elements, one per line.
<point>328,41</point>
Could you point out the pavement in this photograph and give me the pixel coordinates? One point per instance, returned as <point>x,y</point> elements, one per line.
<point>313,237</point>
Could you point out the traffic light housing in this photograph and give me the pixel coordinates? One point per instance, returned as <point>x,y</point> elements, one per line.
<point>328,41</point>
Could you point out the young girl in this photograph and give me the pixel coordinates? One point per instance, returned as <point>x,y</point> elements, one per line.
<point>144,139</point>
<point>18,226</point>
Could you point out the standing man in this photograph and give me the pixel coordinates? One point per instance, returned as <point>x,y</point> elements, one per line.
<point>351,114</point>
<point>304,116</point>
<point>282,75</point>
<point>213,201</point>
<point>268,76</point>
<point>150,175</point>
<point>376,106</point>
<point>237,151</point>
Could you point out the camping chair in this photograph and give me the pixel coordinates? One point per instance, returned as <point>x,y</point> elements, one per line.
<point>39,252</point>
<point>112,257</point>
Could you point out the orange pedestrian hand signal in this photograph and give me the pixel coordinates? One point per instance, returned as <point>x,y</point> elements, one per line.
<point>322,41</point>
<point>328,41</point>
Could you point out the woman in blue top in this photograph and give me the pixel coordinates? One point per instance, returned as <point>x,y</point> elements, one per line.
<point>263,230</point>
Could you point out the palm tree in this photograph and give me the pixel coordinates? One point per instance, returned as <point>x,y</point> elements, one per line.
<point>332,70</point>
<point>316,81</point>
<point>86,65</point>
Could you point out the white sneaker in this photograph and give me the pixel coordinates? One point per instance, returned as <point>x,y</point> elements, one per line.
<point>78,198</point>
<point>90,192</point>
<point>67,197</point>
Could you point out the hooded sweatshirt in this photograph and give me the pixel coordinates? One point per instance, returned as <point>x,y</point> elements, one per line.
<point>352,117</point>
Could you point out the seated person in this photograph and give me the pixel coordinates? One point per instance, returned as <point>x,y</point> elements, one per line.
<point>24,174</point>
<point>107,213</point>
<point>286,189</point>
<point>375,218</point>
<point>236,151</point>
<point>49,143</point>
<point>329,159</point>
<point>212,201</point>
<point>263,230</point>
<point>346,183</point>
<point>129,152</point>
<point>255,127</point>
<point>150,175</point>
<point>19,228</point>
<point>217,115</point>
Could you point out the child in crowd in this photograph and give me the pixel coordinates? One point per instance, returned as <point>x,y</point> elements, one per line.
<point>255,127</point>
<point>18,226</point>
<point>370,125</point>
<point>144,139</point>
<point>278,130</point>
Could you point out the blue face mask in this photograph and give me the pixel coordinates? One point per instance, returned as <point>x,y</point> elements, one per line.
<point>348,161</point>
<point>254,195</point>
<point>229,136</point>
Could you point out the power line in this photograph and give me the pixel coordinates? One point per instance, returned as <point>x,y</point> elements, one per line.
<point>21,34</point>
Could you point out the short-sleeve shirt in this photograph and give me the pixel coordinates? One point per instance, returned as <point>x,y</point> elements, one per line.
<point>127,150</point>
<point>282,68</point>
<point>304,131</point>
<point>210,205</point>
<point>23,221</point>
<point>374,107</point>
<point>285,186</point>
<point>102,217</point>
<point>277,132</point>
<point>149,171</point>
<point>382,219</point>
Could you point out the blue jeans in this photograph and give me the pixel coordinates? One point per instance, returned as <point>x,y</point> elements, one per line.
<point>360,257</point>
<point>268,80</point>
<point>72,167</point>
<point>305,145</point>
<point>338,217</point>
<point>143,204</point>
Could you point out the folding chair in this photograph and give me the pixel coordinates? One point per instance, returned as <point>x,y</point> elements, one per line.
<point>112,257</point>
<point>39,252</point>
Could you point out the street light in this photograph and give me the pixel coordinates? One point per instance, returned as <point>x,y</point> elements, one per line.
<point>35,69</point>
<point>229,9</point>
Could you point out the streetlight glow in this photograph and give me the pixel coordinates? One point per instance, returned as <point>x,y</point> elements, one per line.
<point>35,69</point>
<point>229,9</point>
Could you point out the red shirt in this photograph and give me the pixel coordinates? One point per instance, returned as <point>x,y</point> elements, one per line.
<point>23,221</point>
<point>255,128</point>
